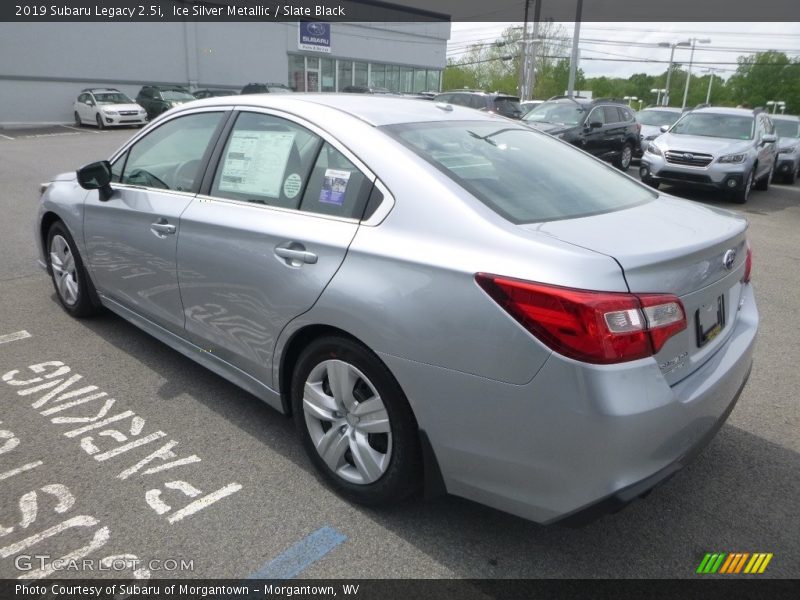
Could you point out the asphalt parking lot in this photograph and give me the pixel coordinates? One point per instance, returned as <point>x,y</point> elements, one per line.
<point>232,492</point>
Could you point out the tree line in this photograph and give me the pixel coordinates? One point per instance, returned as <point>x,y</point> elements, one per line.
<point>758,78</point>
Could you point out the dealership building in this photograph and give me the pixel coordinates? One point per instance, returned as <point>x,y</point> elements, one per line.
<point>43,66</point>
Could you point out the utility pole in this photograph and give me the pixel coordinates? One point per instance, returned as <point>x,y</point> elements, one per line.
<point>523,57</point>
<point>537,11</point>
<point>573,63</point>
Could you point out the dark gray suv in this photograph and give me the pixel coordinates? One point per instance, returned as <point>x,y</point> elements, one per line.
<point>494,102</point>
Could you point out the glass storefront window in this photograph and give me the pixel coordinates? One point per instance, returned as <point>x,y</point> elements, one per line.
<point>377,76</point>
<point>345,74</point>
<point>433,81</point>
<point>360,74</point>
<point>393,77</point>
<point>419,80</point>
<point>329,75</point>
<point>406,79</point>
<point>297,73</point>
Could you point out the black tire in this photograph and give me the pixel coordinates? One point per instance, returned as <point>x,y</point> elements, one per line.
<point>763,183</point>
<point>78,122</point>
<point>740,196</point>
<point>403,476</point>
<point>83,306</point>
<point>791,178</point>
<point>99,122</point>
<point>623,161</point>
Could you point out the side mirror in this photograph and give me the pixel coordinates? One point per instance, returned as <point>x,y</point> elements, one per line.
<point>664,128</point>
<point>769,138</point>
<point>96,176</point>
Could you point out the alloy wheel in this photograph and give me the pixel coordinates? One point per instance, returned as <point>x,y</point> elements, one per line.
<point>625,159</point>
<point>64,270</point>
<point>347,421</point>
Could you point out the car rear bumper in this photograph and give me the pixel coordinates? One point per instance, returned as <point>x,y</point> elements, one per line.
<point>578,439</point>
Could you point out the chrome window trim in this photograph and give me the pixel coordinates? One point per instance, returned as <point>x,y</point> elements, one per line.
<point>282,209</point>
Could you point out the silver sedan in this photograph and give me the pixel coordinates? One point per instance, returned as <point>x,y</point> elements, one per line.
<point>442,299</point>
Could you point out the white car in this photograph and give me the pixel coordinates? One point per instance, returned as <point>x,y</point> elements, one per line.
<point>107,107</point>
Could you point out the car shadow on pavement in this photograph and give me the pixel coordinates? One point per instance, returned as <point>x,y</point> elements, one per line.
<point>759,203</point>
<point>740,495</point>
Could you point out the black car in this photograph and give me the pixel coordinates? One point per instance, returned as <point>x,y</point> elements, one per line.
<point>604,127</point>
<point>495,102</point>
<point>213,93</point>
<point>156,99</point>
<point>266,88</point>
<point>360,89</point>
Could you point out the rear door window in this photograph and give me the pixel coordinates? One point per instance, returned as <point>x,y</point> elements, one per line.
<point>611,114</point>
<point>336,186</point>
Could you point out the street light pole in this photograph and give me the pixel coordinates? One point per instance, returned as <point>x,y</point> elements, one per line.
<point>710,81</point>
<point>672,47</point>
<point>573,63</point>
<point>689,73</point>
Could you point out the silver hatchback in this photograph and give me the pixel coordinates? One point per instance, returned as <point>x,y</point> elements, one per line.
<point>429,290</point>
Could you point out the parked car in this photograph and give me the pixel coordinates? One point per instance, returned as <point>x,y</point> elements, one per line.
<point>266,88</point>
<point>107,107</point>
<point>728,149</point>
<point>651,121</point>
<point>787,128</point>
<point>431,293</point>
<point>360,89</point>
<point>529,105</point>
<point>605,128</point>
<point>157,99</point>
<point>213,93</point>
<point>502,104</point>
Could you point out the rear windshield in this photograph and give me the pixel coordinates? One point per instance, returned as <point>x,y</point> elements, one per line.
<point>657,117</point>
<point>523,175</point>
<point>715,125</point>
<point>563,113</point>
<point>176,95</point>
<point>508,106</point>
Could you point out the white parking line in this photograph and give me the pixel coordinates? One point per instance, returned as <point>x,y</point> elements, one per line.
<point>13,337</point>
<point>6,137</point>
<point>81,130</point>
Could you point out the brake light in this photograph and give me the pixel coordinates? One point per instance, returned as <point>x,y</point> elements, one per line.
<point>593,327</point>
<point>748,264</point>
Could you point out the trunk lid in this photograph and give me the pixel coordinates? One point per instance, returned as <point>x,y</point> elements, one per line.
<point>677,247</point>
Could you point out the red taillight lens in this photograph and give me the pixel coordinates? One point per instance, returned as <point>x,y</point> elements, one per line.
<point>748,264</point>
<point>594,327</point>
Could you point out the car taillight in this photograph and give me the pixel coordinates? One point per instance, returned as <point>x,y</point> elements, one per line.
<point>593,327</point>
<point>748,264</point>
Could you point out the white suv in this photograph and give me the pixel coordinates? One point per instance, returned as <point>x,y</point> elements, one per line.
<point>107,107</point>
<point>729,149</point>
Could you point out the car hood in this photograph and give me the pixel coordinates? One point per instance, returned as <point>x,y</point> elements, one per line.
<point>707,145</point>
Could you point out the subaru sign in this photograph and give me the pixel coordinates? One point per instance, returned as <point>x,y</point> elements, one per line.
<point>314,36</point>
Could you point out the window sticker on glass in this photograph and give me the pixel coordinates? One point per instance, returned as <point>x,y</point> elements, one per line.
<point>292,185</point>
<point>256,161</point>
<point>334,186</point>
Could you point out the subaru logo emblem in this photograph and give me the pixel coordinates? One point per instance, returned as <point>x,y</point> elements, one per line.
<point>688,156</point>
<point>729,258</point>
<point>316,28</point>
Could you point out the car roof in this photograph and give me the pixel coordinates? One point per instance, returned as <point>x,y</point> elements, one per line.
<point>784,117</point>
<point>92,90</point>
<point>478,93</point>
<point>375,109</point>
<point>674,109</point>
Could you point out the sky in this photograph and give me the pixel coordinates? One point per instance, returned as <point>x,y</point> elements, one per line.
<point>606,47</point>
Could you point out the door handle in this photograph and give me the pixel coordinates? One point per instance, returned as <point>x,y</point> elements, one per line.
<point>162,228</point>
<point>295,254</point>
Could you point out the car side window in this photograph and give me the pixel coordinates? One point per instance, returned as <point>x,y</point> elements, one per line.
<point>336,186</point>
<point>477,102</point>
<point>170,157</point>
<point>459,99</point>
<point>597,116</point>
<point>266,160</point>
<point>611,114</point>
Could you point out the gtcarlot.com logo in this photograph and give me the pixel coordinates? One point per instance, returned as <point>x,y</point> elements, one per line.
<point>734,563</point>
<point>29,562</point>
